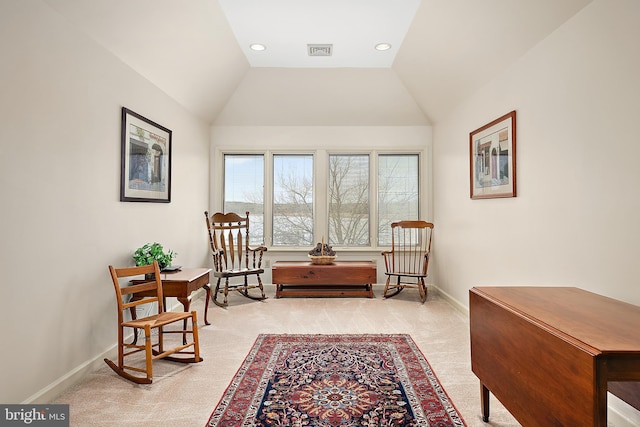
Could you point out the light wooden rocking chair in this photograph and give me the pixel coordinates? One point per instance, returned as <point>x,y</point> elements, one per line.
<point>131,296</point>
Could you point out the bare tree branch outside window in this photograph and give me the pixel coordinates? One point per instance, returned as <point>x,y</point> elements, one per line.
<point>349,200</point>
<point>293,200</point>
<point>398,192</point>
<point>349,204</point>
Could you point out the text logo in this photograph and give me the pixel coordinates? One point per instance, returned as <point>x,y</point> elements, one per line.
<point>34,415</point>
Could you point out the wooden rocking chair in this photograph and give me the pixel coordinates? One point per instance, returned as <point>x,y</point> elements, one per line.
<point>129,297</point>
<point>407,262</point>
<point>232,255</point>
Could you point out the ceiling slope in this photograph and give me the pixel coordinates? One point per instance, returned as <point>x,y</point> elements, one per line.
<point>321,97</point>
<point>186,48</point>
<point>454,47</point>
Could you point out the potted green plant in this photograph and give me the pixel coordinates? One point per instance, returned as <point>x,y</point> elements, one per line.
<point>149,252</point>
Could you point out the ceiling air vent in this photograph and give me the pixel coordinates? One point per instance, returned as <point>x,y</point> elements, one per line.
<point>319,49</point>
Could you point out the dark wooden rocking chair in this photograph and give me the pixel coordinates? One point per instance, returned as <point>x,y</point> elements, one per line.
<point>232,255</point>
<point>129,297</point>
<point>407,262</point>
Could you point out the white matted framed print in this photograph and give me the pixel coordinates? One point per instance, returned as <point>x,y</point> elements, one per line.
<point>492,156</point>
<point>146,160</point>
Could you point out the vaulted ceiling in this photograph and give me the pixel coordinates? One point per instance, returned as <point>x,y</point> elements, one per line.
<point>197,51</point>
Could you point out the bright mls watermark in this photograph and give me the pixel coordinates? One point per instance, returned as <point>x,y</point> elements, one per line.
<point>34,415</point>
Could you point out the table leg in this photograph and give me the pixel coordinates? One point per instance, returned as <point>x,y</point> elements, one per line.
<point>484,399</point>
<point>601,392</point>
<point>186,303</point>
<point>206,303</point>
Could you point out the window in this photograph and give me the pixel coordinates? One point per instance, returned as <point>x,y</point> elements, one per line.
<point>244,191</point>
<point>398,192</point>
<point>360,196</point>
<point>292,200</point>
<point>348,200</point>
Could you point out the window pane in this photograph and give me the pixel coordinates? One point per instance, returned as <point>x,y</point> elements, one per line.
<point>244,190</point>
<point>349,200</point>
<point>398,193</point>
<point>293,200</point>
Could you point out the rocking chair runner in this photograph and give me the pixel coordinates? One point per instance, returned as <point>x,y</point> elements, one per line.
<point>232,255</point>
<point>130,297</point>
<point>407,262</point>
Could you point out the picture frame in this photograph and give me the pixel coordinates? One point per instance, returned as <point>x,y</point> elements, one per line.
<point>145,169</point>
<point>492,158</point>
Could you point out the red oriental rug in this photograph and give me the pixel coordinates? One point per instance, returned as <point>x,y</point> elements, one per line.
<point>335,380</point>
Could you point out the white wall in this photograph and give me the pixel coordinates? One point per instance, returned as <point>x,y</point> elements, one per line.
<point>62,221</point>
<point>575,220</point>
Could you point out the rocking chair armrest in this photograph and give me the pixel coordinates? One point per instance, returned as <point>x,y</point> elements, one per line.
<point>386,255</point>
<point>258,249</point>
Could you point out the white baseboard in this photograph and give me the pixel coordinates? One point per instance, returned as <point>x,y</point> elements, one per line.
<point>454,302</point>
<point>73,377</point>
<point>76,375</point>
<point>619,413</point>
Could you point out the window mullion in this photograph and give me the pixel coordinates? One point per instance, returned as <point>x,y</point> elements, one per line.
<point>373,199</point>
<point>268,198</point>
<point>321,205</point>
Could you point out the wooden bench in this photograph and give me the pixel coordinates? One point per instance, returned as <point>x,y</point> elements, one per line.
<point>340,279</point>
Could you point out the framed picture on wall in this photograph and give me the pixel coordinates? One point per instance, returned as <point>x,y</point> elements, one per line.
<point>492,155</point>
<point>146,160</point>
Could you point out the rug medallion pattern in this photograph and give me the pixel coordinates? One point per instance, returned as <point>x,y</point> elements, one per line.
<point>335,380</point>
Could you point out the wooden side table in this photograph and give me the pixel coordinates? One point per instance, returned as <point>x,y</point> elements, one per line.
<point>342,278</point>
<point>180,284</point>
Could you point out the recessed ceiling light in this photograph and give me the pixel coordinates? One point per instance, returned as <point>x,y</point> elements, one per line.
<point>383,46</point>
<point>257,47</point>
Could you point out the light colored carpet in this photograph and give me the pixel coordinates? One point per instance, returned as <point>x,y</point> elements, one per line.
<point>185,395</point>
